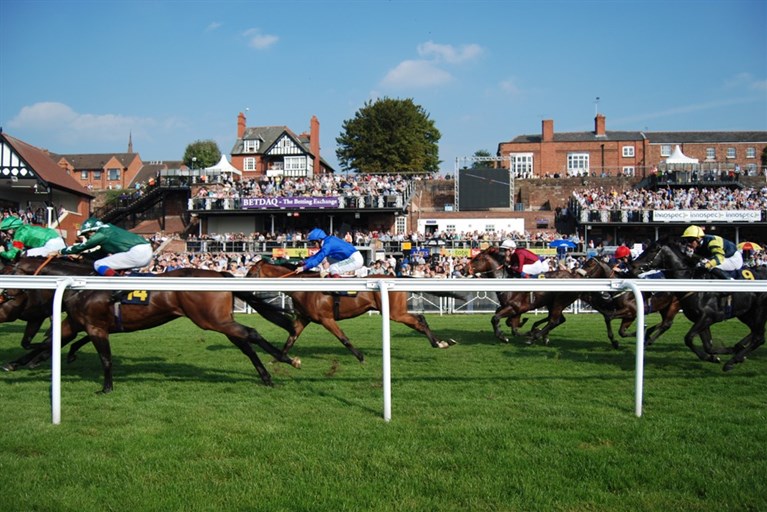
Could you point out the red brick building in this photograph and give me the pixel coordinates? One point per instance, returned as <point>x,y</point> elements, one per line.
<point>278,151</point>
<point>602,152</point>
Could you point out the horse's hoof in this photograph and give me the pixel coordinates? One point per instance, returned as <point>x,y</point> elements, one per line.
<point>546,341</point>
<point>296,362</point>
<point>444,344</point>
<point>9,367</point>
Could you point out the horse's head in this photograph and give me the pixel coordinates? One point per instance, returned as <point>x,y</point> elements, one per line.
<point>265,268</point>
<point>488,263</point>
<point>666,255</point>
<point>595,268</point>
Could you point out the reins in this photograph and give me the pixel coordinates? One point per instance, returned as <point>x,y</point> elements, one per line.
<point>47,260</point>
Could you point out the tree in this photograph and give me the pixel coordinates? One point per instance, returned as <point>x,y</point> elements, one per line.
<point>205,153</point>
<point>389,136</point>
<point>481,155</point>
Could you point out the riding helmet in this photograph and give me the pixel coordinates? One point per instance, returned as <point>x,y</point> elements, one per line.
<point>622,252</point>
<point>693,232</point>
<point>509,244</point>
<point>316,235</point>
<point>92,224</point>
<point>10,223</point>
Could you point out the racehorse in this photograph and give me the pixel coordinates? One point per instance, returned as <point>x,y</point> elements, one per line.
<point>707,308</point>
<point>623,305</point>
<point>489,263</point>
<point>326,308</point>
<point>99,313</point>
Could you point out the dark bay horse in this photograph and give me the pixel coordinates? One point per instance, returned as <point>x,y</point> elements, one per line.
<point>707,308</point>
<point>326,308</point>
<point>95,312</point>
<point>622,305</point>
<point>490,264</point>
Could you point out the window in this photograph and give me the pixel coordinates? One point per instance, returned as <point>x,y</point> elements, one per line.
<point>400,226</point>
<point>710,153</point>
<point>249,164</point>
<point>730,152</point>
<point>522,165</point>
<point>628,151</point>
<point>577,164</point>
<point>490,228</point>
<point>83,175</point>
<point>295,166</point>
<point>629,171</point>
<point>251,146</point>
<point>113,174</point>
<point>97,174</point>
<point>450,228</point>
<point>665,150</point>
<point>750,152</point>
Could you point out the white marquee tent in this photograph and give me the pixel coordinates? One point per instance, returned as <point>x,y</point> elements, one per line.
<point>677,157</point>
<point>223,166</point>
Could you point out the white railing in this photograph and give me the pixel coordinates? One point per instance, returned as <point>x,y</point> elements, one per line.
<point>636,286</point>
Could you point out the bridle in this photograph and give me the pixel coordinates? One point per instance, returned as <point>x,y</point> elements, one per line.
<point>492,272</point>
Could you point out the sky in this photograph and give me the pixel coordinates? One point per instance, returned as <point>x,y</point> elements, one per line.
<point>84,76</point>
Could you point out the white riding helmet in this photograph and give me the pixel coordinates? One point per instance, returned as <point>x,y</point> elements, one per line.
<point>509,244</point>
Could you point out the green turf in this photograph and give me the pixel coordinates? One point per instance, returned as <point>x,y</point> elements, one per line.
<point>480,426</point>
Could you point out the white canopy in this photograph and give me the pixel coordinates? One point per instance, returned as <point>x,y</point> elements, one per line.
<point>223,166</point>
<point>677,157</point>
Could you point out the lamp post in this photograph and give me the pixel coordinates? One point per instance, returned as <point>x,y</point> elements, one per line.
<point>194,159</point>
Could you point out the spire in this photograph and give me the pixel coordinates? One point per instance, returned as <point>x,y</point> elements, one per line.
<point>130,142</point>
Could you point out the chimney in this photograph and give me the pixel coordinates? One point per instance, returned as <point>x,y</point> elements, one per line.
<point>548,130</point>
<point>240,125</point>
<point>599,126</point>
<point>314,142</point>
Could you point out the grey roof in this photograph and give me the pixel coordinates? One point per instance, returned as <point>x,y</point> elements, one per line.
<point>582,137</point>
<point>269,135</point>
<point>706,137</point>
<point>82,162</point>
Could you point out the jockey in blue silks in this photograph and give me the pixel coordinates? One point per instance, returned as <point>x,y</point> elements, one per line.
<point>342,255</point>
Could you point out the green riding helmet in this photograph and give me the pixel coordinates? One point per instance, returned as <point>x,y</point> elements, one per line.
<point>10,223</point>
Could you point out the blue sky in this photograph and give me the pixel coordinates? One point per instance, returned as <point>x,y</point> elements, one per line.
<point>79,77</point>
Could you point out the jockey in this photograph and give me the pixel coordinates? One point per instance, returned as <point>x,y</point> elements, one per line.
<point>622,267</point>
<point>126,250</point>
<point>721,254</point>
<point>522,261</point>
<point>36,240</point>
<point>344,257</point>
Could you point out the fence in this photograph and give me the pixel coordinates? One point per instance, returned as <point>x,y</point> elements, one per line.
<point>60,285</point>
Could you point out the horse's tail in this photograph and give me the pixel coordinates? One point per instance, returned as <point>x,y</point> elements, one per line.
<point>277,315</point>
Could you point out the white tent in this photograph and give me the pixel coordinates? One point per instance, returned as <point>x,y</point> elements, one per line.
<point>677,157</point>
<point>223,166</point>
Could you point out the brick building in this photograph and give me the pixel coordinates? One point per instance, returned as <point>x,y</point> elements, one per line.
<point>603,152</point>
<point>278,151</point>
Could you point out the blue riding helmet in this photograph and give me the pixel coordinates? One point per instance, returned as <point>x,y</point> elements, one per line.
<point>316,235</point>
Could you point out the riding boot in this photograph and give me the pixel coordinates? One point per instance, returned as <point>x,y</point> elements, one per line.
<point>719,273</point>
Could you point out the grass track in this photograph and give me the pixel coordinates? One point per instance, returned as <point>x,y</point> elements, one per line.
<point>480,426</point>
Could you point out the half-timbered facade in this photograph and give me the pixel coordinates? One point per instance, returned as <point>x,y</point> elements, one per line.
<point>31,180</point>
<point>278,151</point>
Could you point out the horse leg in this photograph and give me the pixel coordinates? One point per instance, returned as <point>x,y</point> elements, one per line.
<point>298,327</point>
<point>502,312</point>
<point>418,323</point>
<point>100,340</point>
<point>701,329</point>
<point>41,351</point>
<point>610,335</point>
<point>32,328</point>
<point>72,355</point>
<point>745,346</point>
<point>331,325</point>
<point>554,320</point>
<point>623,330</point>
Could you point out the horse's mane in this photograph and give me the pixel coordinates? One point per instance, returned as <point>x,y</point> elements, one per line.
<point>281,263</point>
<point>494,252</point>
<point>56,266</point>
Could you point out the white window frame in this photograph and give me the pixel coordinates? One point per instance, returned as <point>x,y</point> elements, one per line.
<point>628,151</point>
<point>731,153</point>
<point>250,145</point>
<point>113,174</point>
<point>400,225</point>
<point>629,170</point>
<point>249,164</point>
<point>83,175</point>
<point>521,164</point>
<point>665,150</point>
<point>711,154</point>
<point>750,152</point>
<point>578,164</point>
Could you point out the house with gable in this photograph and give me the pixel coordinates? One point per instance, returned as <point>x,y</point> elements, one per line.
<point>31,180</point>
<point>102,171</point>
<point>278,151</point>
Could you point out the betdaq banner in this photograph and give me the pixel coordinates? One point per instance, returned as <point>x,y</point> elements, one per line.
<point>704,216</point>
<point>266,203</point>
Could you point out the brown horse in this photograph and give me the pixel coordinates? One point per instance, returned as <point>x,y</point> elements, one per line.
<point>490,263</point>
<point>326,308</point>
<point>623,305</point>
<point>96,313</point>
